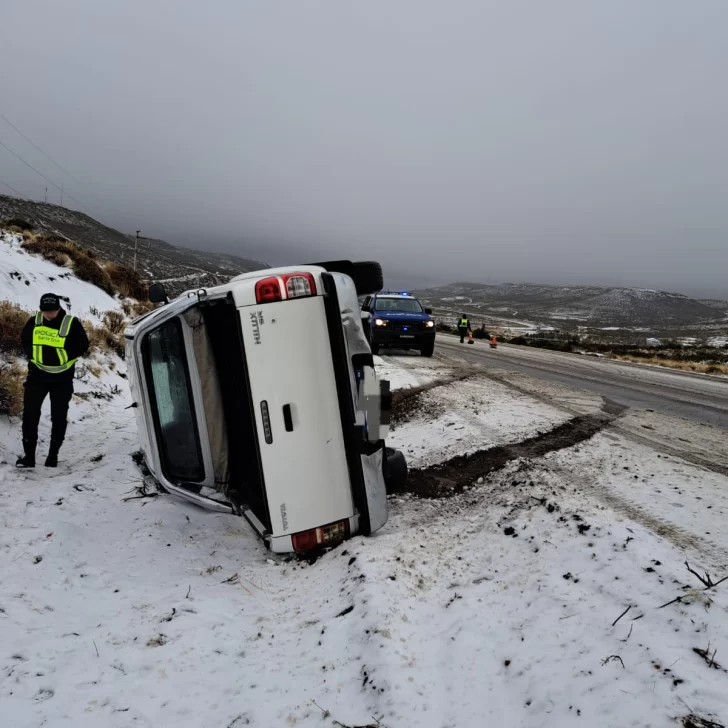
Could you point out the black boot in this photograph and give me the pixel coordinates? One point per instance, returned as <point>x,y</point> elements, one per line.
<point>52,459</point>
<point>28,460</point>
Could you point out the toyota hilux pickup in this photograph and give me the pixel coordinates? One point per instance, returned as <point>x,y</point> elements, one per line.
<point>259,398</point>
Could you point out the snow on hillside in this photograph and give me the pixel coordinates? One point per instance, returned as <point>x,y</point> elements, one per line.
<point>24,278</point>
<point>593,304</point>
<point>156,258</point>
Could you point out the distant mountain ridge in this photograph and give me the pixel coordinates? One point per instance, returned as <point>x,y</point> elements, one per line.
<point>180,268</point>
<point>580,305</point>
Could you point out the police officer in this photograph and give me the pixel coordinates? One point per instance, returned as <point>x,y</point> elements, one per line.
<point>52,341</point>
<point>463,327</point>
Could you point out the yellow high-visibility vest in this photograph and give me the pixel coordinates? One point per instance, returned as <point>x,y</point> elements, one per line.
<point>55,338</point>
<point>464,323</point>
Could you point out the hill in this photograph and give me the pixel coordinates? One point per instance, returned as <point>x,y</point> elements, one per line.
<point>179,268</point>
<point>579,305</point>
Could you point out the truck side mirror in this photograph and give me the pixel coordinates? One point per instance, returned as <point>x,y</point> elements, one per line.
<point>428,311</point>
<point>157,294</point>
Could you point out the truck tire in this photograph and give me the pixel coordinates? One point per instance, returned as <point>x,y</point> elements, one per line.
<point>367,275</point>
<point>395,470</point>
<point>428,350</point>
<point>374,347</point>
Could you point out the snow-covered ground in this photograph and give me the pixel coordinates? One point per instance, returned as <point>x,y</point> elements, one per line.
<point>24,278</point>
<point>408,370</point>
<point>497,607</point>
<point>492,608</point>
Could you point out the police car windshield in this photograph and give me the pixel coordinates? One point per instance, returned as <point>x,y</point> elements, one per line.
<point>409,305</point>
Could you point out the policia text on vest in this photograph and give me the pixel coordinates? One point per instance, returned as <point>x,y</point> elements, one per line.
<point>52,341</point>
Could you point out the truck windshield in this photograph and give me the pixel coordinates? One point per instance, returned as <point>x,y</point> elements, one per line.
<point>174,413</point>
<point>409,305</point>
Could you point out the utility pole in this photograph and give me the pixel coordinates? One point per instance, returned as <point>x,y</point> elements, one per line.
<point>136,246</point>
<point>61,194</point>
<point>46,195</point>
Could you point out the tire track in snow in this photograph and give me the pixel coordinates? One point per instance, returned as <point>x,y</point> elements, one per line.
<point>451,477</point>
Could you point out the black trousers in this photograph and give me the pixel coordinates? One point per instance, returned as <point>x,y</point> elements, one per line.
<point>463,333</point>
<point>36,390</point>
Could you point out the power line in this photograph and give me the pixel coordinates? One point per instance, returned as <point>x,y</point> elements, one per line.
<point>27,164</point>
<point>62,169</point>
<point>45,154</point>
<point>12,189</point>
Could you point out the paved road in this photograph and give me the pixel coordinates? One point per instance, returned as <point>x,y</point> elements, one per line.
<point>695,397</point>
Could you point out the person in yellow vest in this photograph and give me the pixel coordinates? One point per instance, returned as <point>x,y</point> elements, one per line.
<point>53,341</point>
<point>463,327</point>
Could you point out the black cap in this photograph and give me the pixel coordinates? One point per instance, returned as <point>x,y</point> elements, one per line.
<point>50,302</point>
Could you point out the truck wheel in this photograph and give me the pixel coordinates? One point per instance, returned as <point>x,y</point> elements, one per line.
<point>395,470</point>
<point>428,350</point>
<point>367,275</point>
<point>374,347</point>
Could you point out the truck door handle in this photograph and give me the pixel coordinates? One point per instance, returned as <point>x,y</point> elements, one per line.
<point>288,417</point>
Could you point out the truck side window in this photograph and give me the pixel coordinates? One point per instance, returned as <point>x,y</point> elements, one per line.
<point>174,412</point>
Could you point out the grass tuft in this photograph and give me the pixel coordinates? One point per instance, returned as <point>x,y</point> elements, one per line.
<point>12,377</point>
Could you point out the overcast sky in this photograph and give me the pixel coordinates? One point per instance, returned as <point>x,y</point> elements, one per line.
<point>574,141</point>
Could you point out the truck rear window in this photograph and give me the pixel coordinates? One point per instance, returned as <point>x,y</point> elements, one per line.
<point>168,379</point>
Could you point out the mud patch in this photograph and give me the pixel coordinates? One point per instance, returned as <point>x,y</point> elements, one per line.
<point>696,721</point>
<point>450,478</point>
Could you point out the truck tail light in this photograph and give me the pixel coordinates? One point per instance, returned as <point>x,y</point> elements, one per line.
<point>299,285</point>
<point>329,535</point>
<point>280,288</point>
<point>268,290</point>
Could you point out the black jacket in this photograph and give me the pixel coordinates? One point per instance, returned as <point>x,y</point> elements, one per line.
<point>76,346</point>
<point>464,328</point>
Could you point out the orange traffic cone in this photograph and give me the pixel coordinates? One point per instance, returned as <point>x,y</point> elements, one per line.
<point>470,337</point>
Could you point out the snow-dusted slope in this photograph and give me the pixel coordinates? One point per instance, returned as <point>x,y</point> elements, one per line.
<point>157,259</point>
<point>591,305</point>
<point>24,278</point>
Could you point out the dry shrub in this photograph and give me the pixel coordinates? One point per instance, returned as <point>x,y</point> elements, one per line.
<point>126,281</point>
<point>56,238</point>
<point>685,366</point>
<point>43,245</point>
<point>60,251</point>
<point>12,321</point>
<point>90,271</point>
<point>11,389</point>
<point>139,308</point>
<point>16,222</point>
<point>62,260</point>
<point>135,309</point>
<point>114,322</point>
<point>102,339</point>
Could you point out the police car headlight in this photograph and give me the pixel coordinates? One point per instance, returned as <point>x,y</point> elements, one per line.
<point>429,324</point>
<point>380,322</point>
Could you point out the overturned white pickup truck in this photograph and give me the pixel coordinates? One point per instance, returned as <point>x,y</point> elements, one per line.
<point>260,398</point>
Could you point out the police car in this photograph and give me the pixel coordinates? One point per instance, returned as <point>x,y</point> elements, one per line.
<point>399,321</point>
